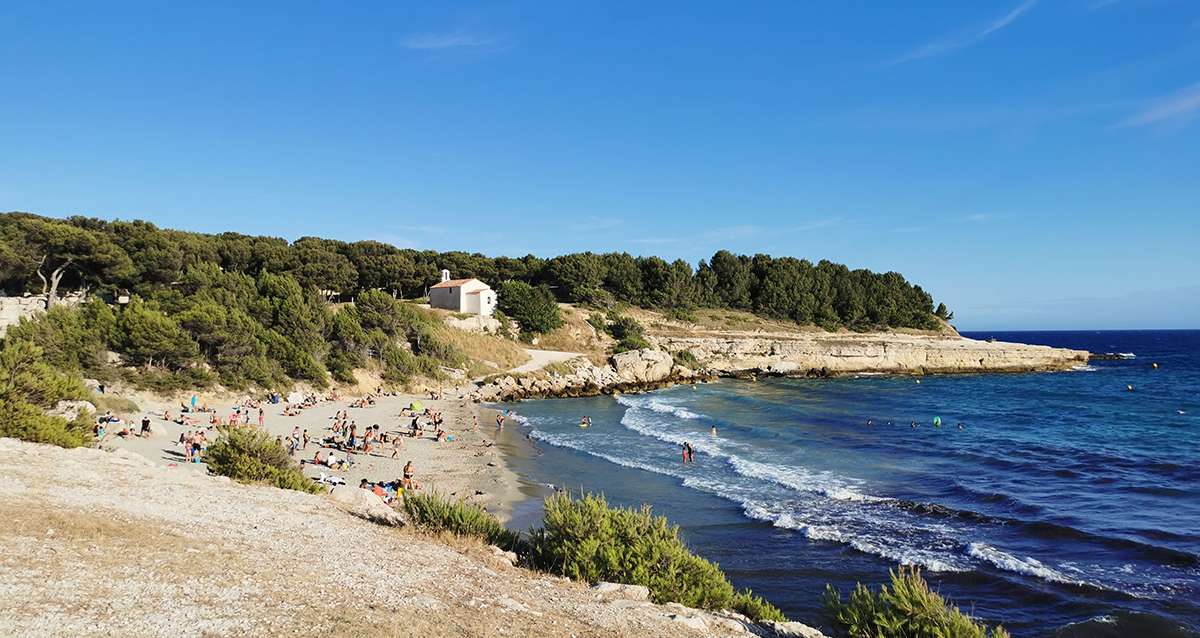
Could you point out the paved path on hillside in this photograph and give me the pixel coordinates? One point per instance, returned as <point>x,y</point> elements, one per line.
<point>539,359</point>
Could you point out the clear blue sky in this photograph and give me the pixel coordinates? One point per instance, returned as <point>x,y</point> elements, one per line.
<point>1033,164</point>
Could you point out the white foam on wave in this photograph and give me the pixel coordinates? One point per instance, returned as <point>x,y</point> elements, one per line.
<point>559,440</point>
<point>633,420</point>
<point>1085,368</point>
<point>657,405</point>
<point>1029,566</point>
<point>802,480</point>
<point>860,540</point>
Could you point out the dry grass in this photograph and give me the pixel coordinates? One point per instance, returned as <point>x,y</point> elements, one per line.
<point>713,320</point>
<point>577,335</point>
<point>118,404</point>
<point>487,354</point>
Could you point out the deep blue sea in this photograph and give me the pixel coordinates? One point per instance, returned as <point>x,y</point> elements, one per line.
<point>1064,505</point>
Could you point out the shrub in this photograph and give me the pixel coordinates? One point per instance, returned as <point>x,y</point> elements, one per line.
<point>908,610</point>
<point>435,511</point>
<point>21,420</point>
<point>28,385</point>
<point>250,455</point>
<point>686,359</point>
<point>586,539</point>
<point>532,307</point>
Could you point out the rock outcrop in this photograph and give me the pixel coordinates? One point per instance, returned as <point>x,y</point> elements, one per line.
<point>783,354</point>
<point>825,354</point>
<point>631,371</point>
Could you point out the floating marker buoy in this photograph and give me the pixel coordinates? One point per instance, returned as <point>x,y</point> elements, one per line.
<point>937,421</point>
<point>918,380</point>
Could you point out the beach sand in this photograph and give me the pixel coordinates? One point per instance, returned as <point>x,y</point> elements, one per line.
<point>471,467</point>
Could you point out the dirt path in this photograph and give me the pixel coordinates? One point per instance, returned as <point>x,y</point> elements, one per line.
<point>539,359</point>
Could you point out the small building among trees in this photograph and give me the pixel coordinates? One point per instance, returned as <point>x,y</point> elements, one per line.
<point>463,295</point>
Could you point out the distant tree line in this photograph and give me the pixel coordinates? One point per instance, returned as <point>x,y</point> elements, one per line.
<point>45,256</point>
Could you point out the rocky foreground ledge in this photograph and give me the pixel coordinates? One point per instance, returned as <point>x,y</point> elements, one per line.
<point>792,354</point>
<point>109,543</point>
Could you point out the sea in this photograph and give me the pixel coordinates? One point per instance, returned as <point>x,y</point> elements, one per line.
<point>1058,504</point>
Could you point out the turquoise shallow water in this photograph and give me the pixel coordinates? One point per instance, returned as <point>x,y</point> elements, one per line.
<point>1064,503</point>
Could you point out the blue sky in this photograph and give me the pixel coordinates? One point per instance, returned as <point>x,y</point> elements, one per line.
<point>1033,164</point>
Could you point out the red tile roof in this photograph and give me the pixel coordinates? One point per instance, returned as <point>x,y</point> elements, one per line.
<point>453,283</point>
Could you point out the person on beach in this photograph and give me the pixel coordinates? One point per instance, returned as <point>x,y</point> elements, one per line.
<point>146,426</point>
<point>305,440</point>
<point>262,417</point>
<point>397,445</point>
<point>474,422</point>
<point>500,421</point>
<point>409,473</point>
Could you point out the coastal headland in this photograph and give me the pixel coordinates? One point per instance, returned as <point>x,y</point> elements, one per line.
<point>687,353</point>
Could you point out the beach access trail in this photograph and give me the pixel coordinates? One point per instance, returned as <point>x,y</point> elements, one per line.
<point>539,359</point>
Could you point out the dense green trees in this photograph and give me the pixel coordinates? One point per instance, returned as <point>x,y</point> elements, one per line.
<point>532,306</point>
<point>251,309</point>
<point>139,257</point>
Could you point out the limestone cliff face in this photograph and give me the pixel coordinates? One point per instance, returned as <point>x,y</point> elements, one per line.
<point>832,354</point>
<point>813,354</point>
<point>627,371</point>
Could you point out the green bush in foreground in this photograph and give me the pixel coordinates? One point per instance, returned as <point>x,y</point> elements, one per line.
<point>250,455</point>
<point>435,511</point>
<point>29,386</point>
<point>907,610</point>
<point>586,539</point>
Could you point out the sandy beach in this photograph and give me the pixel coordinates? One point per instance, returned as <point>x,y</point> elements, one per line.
<point>471,466</point>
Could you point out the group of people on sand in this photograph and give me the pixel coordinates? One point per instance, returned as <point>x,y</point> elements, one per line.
<point>389,490</point>
<point>194,443</point>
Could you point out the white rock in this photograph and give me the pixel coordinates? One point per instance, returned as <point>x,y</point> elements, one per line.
<point>71,409</point>
<point>614,591</point>
<point>365,504</point>
<point>792,630</point>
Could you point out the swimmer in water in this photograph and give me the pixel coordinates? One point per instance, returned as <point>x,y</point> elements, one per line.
<point>914,424</point>
<point>961,426</point>
<point>870,422</point>
<point>713,431</point>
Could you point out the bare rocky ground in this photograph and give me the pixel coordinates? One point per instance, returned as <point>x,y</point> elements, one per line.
<point>112,544</point>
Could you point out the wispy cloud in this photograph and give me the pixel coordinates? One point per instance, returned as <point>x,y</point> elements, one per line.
<point>975,218</point>
<point>448,40</point>
<point>654,241</point>
<point>424,228</point>
<point>1178,108</point>
<point>818,224</point>
<point>595,223</point>
<point>946,45</point>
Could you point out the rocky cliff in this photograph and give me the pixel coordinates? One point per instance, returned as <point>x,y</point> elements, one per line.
<point>791,354</point>
<point>824,354</point>
<point>625,372</point>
